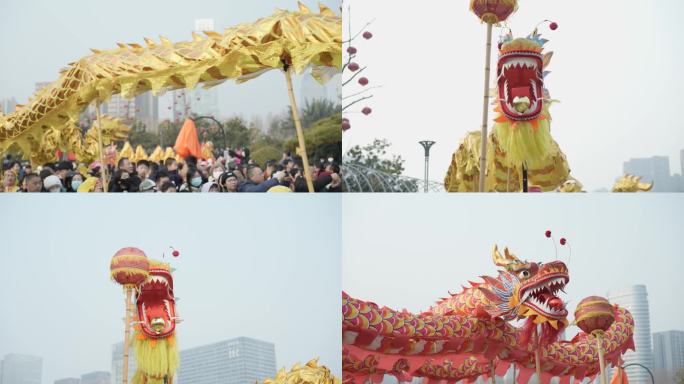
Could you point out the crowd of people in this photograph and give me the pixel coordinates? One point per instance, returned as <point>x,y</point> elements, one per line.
<point>190,175</point>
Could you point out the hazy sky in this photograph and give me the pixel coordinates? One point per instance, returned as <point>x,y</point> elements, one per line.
<point>38,38</point>
<point>616,71</point>
<point>249,266</point>
<point>407,253</point>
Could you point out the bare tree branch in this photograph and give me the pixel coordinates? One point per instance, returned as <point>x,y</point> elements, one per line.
<point>356,101</point>
<point>362,92</point>
<point>353,76</point>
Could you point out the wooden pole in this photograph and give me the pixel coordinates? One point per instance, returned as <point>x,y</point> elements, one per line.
<point>298,127</point>
<point>127,334</point>
<point>493,373</point>
<point>103,166</point>
<point>537,363</point>
<point>485,110</point>
<point>602,363</point>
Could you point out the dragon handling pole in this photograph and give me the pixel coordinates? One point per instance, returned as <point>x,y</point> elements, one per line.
<point>298,127</point>
<point>483,146</point>
<point>127,334</point>
<point>103,167</point>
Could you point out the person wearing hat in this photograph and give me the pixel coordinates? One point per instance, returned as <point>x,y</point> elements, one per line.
<point>62,169</point>
<point>52,183</point>
<point>147,185</point>
<point>210,187</point>
<point>228,182</point>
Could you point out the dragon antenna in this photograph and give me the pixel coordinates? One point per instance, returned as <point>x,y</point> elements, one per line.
<point>552,25</point>
<point>564,242</point>
<point>549,235</point>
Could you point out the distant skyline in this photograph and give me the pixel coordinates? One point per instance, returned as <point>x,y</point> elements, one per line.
<point>266,268</point>
<point>615,70</point>
<point>40,38</point>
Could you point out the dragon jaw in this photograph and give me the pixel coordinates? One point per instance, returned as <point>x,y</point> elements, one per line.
<point>520,84</point>
<point>526,290</point>
<point>537,294</point>
<point>156,304</point>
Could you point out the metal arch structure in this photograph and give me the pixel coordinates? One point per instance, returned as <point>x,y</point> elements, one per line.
<point>359,178</point>
<point>642,366</point>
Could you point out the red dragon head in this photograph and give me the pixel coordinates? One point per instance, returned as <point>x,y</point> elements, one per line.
<point>520,77</point>
<point>155,302</point>
<point>527,290</point>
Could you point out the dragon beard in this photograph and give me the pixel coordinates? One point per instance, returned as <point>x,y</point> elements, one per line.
<point>524,142</point>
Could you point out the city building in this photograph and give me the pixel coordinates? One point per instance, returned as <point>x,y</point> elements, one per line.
<point>236,361</point>
<point>654,169</point>
<point>635,300</point>
<point>117,363</point>
<point>147,111</point>
<point>7,106</point>
<point>21,369</point>
<point>118,107</point>
<point>668,354</point>
<point>68,380</point>
<point>204,102</point>
<point>97,377</point>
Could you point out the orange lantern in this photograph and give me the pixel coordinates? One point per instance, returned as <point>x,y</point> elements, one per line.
<point>594,313</point>
<point>129,266</point>
<point>493,11</point>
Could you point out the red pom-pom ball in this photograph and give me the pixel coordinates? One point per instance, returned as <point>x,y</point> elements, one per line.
<point>548,233</point>
<point>563,241</point>
<point>553,26</point>
<point>175,253</point>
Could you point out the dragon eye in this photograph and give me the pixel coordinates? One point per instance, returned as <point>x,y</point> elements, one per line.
<point>524,273</point>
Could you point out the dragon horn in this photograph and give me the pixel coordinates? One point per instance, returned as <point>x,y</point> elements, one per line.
<point>504,261</point>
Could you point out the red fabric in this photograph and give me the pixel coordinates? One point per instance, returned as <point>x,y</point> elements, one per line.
<point>619,377</point>
<point>187,142</point>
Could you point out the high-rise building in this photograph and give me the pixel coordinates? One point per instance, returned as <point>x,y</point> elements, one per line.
<point>97,377</point>
<point>7,106</point>
<point>117,363</point>
<point>635,300</point>
<point>654,169</point>
<point>681,162</point>
<point>236,361</point>
<point>68,380</point>
<point>147,111</point>
<point>204,102</point>
<point>668,354</point>
<point>118,107</point>
<point>21,369</point>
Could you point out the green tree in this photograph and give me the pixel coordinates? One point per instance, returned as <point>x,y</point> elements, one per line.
<point>323,140</point>
<point>139,135</point>
<point>679,376</point>
<point>375,157</point>
<point>371,156</point>
<point>313,111</point>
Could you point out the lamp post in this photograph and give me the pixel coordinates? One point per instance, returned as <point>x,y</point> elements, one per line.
<point>426,146</point>
<point>223,133</point>
<point>642,366</point>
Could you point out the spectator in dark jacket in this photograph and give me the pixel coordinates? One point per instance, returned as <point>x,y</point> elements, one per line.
<point>255,180</point>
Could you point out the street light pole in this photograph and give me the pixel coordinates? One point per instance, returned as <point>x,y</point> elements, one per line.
<point>426,146</point>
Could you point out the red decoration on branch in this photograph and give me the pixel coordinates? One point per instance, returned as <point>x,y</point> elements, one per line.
<point>351,50</point>
<point>366,111</point>
<point>363,81</point>
<point>367,35</point>
<point>548,233</point>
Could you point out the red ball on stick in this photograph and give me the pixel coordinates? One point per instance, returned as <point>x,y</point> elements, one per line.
<point>129,266</point>
<point>366,111</point>
<point>553,26</point>
<point>353,67</point>
<point>351,50</point>
<point>363,81</point>
<point>367,35</point>
<point>548,234</point>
